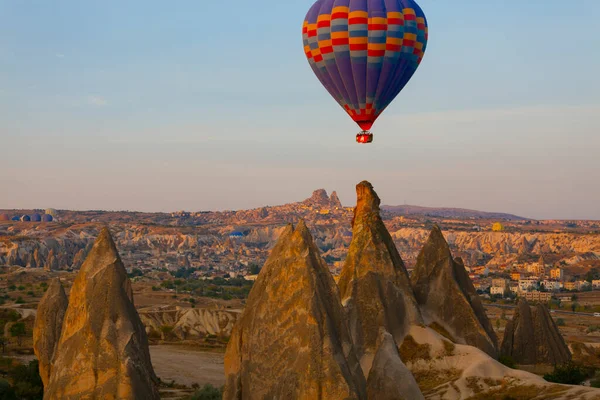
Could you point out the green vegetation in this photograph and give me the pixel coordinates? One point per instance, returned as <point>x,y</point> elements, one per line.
<point>207,392</point>
<point>253,269</point>
<point>19,331</point>
<point>135,272</point>
<point>569,374</point>
<point>218,288</point>
<point>166,332</point>
<point>508,361</point>
<point>560,322</point>
<point>592,274</point>
<point>7,315</point>
<point>593,328</point>
<point>24,381</point>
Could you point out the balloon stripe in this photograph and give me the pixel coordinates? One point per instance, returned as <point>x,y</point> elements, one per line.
<point>332,66</point>
<point>376,52</point>
<point>341,47</point>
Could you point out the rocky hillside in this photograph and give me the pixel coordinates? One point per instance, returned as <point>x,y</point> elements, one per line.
<point>441,212</point>
<point>230,241</point>
<point>299,337</point>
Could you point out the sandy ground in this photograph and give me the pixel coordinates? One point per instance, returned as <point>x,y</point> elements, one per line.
<point>187,366</point>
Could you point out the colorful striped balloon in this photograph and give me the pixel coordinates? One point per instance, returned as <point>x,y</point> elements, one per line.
<point>364,51</point>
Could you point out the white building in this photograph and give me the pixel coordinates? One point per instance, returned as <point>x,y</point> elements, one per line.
<point>552,286</point>
<point>596,284</point>
<point>495,290</point>
<point>527,284</point>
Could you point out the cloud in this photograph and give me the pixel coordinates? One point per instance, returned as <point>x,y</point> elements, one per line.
<point>59,55</point>
<point>97,101</point>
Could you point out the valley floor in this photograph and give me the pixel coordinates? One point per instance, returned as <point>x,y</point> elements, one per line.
<point>186,365</point>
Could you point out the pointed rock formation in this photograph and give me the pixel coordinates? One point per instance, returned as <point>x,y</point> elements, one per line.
<point>291,341</point>
<point>389,378</point>
<point>532,337</point>
<point>48,325</point>
<point>447,296</point>
<point>51,262</point>
<point>334,201</point>
<point>374,284</point>
<point>318,198</point>
<point>103,349</point>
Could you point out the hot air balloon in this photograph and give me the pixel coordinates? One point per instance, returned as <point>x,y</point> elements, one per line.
<point>36,217</point>
<point>364,52</point>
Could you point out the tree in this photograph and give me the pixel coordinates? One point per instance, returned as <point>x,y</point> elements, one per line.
<point>166,331</point>
<point>574,306</point>
<point>254,269</point>
<point>6,391</point>
<point>27,382</point>
<point>208,392</point>
<point>568,374</point>
<point>593,274</point>
<point>18,330</point>
<point>574,298</point>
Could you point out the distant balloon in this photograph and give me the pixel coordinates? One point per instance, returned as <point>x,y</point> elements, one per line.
<point>47,218</point>
<point>15,218</point>
<point>4,217</point>
<point>364,52</point>
<point>51,211</point>
<point>36,217</point>
<point>25,218</point>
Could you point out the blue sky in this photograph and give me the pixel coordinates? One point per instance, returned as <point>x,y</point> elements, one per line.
<point>197,105</point>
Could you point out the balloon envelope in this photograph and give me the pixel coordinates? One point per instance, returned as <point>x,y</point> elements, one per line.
<point>365,51</point>
<point>36,217</point>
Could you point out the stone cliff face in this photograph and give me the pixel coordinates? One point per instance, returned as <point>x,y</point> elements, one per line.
<point>532,337</point>
<point>189,323</point>
<point>447,296</point>
<point>374,285</point>
<point>481,247</point>
<point>103,349</point>
<point>318,198</point>
<point>291,341</point>
<point>48,325</point>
